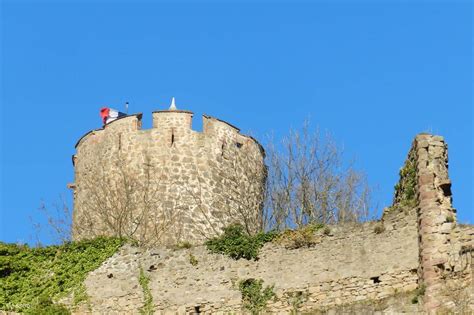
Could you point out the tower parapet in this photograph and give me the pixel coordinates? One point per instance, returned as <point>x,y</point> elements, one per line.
<point>169,183</point>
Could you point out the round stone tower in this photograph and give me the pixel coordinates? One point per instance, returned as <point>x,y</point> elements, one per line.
<point>168,184</point>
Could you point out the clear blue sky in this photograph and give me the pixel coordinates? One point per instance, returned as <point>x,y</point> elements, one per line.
<point>373,73</point>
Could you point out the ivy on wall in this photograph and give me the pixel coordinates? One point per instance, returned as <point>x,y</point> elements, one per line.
<point>32,278</point>
<point>405,189</point>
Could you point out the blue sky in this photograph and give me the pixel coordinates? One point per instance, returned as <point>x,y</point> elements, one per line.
<point>373,73</point>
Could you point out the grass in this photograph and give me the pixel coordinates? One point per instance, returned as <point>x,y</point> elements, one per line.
<point>144,281</point>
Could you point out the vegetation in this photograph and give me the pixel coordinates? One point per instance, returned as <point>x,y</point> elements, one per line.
<point>419,292</point>
<point>303,237</point>
<point>327,230</point>
<point>379,228</point>
<point>45,306</point>
<point>144,281</point>
<point>308,182</point>
<point>132,202</point>
<point>32,278</point>
<point>254,296</point>
<point>183,245</point>
<point>296,299</point>
<point>237,243</point>
<point>80,295</point>
<point>193,260</point>
<point>405,189</point>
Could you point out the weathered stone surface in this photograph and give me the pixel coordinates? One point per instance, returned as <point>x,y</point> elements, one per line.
<point>354,269</point>
<point>329,274</point>
<point>438,234</point>
<point>168,184</point>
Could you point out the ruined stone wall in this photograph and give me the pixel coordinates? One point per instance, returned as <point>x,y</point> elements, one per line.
<point>370,267</point>
<point>167,184</point>
<point>354,263</point>
<point>445,261</point>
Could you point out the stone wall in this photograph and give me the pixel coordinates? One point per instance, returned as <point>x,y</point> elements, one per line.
<point>441,241</point>
<point>352,264</point>
<point>167,184</point>
<point>378,266</point>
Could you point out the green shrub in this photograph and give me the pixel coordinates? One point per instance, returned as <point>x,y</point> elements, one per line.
<point>27,275</point>
<point>237,243</point>
<point>254,296</point>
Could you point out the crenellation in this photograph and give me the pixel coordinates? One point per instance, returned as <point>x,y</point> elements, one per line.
<point>197,179</point>
<point>220,129</point>
<point>127,123</point>
<point>173,123</point>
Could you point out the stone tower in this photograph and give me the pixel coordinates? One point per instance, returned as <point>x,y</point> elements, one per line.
<point>167,184</point>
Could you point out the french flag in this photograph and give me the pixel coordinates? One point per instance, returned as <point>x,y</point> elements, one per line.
<point>110,114</point>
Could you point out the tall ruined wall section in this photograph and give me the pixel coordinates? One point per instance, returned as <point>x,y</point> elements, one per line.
<point>445,249</point>
<point>166,184</point>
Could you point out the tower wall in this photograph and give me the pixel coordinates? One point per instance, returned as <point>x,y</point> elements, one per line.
<point>167,184</point>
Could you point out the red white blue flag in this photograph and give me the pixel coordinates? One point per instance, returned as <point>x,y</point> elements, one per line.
<point>110,114</point>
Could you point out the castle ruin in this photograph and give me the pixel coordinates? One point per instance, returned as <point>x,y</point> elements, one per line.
<point>416,259</point>
<point>167,184</point>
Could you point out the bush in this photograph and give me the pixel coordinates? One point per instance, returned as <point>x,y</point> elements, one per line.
<point>379,228</point>
<point>237,243</point>
<point>303,237</point>
<point>254,296</point>
<point>27,275</point>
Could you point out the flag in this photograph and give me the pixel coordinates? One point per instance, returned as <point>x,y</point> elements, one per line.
<point>109,114</point>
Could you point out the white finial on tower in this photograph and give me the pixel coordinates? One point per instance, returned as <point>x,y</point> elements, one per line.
<point>173,105</point>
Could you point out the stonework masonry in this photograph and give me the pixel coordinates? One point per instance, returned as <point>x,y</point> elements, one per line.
<point>357,269</point>
<point>442,244</point>
<point>168,184</point>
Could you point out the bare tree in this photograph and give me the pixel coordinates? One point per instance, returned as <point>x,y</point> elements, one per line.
<point>243,199</point>
<point>308,182</point>
<point>58,217</point>
<point>124,201</point>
